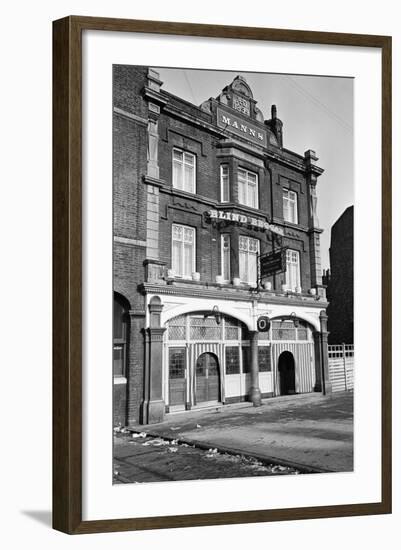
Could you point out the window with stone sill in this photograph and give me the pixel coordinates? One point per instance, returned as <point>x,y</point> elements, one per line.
<point>290,206</point>
<point>248,260</point>
<point>183,251</point>
<point>248,194</point>
<point>293,272</point>
<point>184,171</point>
<point>224,183</point>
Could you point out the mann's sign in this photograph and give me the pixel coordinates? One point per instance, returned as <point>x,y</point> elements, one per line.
<point>241,127</point>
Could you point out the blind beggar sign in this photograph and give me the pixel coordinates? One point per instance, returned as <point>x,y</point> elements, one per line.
<point>240,126</point>
<point>241,219</point>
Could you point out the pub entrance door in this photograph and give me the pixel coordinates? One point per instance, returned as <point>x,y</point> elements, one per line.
<point>207,378</point>
<point>177,379</point>
<point>286,369</point>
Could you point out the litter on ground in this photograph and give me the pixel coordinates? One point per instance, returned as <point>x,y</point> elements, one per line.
<point>120,429</point>
<point>211,453</point>
<point>156,442</point>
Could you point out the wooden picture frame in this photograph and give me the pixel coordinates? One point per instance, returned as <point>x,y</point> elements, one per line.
<point>67,273</point>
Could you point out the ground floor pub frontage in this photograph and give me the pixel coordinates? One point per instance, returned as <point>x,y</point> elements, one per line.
<point>205,351</point>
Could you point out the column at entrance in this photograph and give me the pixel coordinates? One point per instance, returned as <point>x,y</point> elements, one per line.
<point>318,361</point>
<point>156,406</point>
<point>254,392</point>
<point>326,384</point>
<point>153,407</point>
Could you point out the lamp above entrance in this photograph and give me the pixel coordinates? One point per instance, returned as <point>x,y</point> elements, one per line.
<point>215,312</point>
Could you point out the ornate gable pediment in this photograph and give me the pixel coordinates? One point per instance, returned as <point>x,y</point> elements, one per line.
<point>238,95</point>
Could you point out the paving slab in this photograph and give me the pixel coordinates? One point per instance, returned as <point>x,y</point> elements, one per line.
<point>151,459</point>
<point>310,431</point>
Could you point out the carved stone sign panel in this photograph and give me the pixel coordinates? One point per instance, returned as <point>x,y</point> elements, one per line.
<point>241,127</point>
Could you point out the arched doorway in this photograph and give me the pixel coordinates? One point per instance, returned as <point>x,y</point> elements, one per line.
<point>207,378</point>
<point>286,369</point>
<point>120,335</point>
<point>121,330</point>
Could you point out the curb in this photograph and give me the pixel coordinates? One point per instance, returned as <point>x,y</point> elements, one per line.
<point>205,446</point>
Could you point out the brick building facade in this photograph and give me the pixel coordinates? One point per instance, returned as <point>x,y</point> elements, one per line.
<point>340,280</point>
<point>199,194</point>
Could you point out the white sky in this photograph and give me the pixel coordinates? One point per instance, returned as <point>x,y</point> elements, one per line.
<point>317,113</point>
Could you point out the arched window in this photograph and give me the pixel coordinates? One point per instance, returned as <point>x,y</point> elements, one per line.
<point>120,336</point>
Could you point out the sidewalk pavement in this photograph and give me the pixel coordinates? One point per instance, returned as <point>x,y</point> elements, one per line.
<point>309,431</point>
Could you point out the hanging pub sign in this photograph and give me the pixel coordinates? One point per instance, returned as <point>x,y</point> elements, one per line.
<point>272,263</point>
<point>241,219</point>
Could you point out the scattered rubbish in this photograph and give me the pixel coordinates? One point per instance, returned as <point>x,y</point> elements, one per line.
<point>211,453</point>
<point>116,472</point>
<point>142,434</point>
<point>259,467</point>
<point>174,428</point>
<point>275,469</point>
<point>173,449</point>
<point>174,442</point>
<point>120,429</point>
<point>198,426</point>
<point>156,442</point>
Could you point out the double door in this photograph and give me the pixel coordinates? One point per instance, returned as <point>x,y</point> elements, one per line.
<point>205,378</point>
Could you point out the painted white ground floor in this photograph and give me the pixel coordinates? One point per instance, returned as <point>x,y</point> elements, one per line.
<point>210,351</point>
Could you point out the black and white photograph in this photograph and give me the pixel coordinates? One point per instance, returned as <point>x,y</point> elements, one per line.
<point>198,217</point>
<point>233,333</point>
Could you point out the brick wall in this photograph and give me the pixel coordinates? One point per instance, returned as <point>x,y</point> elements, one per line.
<point>120,404</point>
<point>129,203</point>
<point>340,284</point>
<point>183,135</point>
<point>128,83</point>
<point>135,219</point>
<point>174,133</point>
